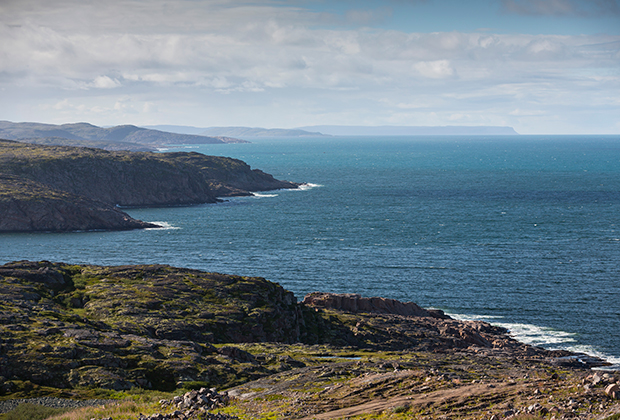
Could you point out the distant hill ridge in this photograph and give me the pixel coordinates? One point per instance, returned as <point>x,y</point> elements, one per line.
<point>122,137</point>
<point>339,130</point>
<point>236,131</point>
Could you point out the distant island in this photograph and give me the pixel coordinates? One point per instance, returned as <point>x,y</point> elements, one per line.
<point>62,188</point>
<point>121,137</point>
<point>338,130</point>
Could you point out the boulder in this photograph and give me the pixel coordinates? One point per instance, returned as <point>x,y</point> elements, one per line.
<point>613,390</point>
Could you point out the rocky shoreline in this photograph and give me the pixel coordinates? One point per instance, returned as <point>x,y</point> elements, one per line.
<point>73,328</point>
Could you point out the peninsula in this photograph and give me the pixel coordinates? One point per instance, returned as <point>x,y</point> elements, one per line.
<point>61,188</point>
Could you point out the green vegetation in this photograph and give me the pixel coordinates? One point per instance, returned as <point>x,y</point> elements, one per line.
<point>29,411</point>
<point>137,334</point>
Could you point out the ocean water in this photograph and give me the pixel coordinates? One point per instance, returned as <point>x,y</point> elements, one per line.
<point>519,231</point>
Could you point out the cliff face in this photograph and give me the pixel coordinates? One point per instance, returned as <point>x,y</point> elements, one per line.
<point>82,185</point>
<point>135,178</point>
<point>30,206</point>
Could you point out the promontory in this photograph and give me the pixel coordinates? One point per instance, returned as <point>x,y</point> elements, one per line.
<point>62,188</point>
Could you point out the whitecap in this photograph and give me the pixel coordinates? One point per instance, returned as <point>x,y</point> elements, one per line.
<point>163,226</point>
<point>257,195</point>
<point>307,186</point>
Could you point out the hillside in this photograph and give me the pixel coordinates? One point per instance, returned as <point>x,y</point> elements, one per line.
<point>122,137</point>
<point>70,330</point>
<point>99,179</point>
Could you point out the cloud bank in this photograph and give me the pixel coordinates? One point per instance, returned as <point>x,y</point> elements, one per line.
<point>242,63</point>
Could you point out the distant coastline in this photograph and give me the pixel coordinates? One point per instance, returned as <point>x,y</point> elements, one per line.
<point>339,130</point>
<point>393,130</point>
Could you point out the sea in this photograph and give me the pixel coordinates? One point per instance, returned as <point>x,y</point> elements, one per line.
<point>519,231</point>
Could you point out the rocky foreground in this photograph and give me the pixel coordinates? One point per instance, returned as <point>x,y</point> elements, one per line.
<point>66,330</point>
<point>59,188</point>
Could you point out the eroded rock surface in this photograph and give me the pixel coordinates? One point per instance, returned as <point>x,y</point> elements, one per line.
<point>27,206</point>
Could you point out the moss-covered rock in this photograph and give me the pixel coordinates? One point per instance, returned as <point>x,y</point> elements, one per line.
<point>159,327</point>
<point>149,326</point>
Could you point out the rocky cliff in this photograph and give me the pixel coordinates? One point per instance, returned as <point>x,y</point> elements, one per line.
<point>155,326</point>
<point>96,179</point>
<point>26,205</point>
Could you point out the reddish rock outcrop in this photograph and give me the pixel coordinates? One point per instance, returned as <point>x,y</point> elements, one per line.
<point>354,303</point>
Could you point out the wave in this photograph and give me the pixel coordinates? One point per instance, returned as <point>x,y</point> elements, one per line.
<point>307,186</point>
<point>163,226</point>
<point>545,337</point>
<point>257,195</point>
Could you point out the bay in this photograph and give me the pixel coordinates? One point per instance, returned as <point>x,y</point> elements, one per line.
<point>521,231</point>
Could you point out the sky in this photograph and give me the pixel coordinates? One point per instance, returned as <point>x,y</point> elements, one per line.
<point>539,66</point>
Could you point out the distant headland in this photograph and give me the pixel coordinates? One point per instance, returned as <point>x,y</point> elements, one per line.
<point>62,188</point>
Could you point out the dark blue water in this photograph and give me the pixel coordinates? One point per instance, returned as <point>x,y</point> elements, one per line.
<point>521,231</point>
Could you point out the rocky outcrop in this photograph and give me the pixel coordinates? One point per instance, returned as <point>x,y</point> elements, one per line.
<point>148,326</point>
<point>355,303</point>
<point>160,327</point>
<point>72,188</point>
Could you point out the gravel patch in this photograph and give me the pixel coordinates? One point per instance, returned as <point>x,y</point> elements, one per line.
<point>8,405</point>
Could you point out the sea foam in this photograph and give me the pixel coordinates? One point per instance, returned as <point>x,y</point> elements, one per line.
<point>307,186</point>
<point>257,195</point>
<point>545,337</point>
<point>163,226</point>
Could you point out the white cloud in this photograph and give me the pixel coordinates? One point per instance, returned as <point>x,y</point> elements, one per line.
<point>105,82</point>
<point>435,69</point>
<point>64,104</point>
<point>244,55</point>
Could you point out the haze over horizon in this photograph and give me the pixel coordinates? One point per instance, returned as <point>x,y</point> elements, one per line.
<point>539,66</point>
